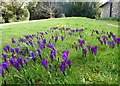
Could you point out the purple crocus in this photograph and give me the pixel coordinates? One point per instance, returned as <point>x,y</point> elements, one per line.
<point>25,61</point>
<point>56,38</point>
<point>12,50</point>
<point>62,37</point>
<point>52,37</point>
<point>6,48</point>
<point>89,47</point>
<point>12,60</point>
<point>111,44</point>
<point>69,62</point>
<point>19,59</point>
<point>53,52</point>
<point>51,57</point>
<point>51,45</point>
<point>97,32</point>
<point>41,45</point>
<point>44,41</point>
<point>32,54</point>
<point>16,65</point>
<point>13,40</point>
<point>94,49</point>
<point>101,42</point>
<point>76,47</point>
<point>17,50</point>
<point>38,52</point>
<point>84,52</point>
<point>118,40</point>
<point>44,63</point>
<point>70,33</point>
<point>67,29</point>
<point>2,72</point>
<point>5,65</point>
<point>4,56</point>
<point>81,42</point>
<point>65,52</point>
<point>27,50</point>
<point>62,67</point>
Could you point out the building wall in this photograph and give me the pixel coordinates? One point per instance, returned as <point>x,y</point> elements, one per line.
<point>115,9</point>
<point>105,11</point>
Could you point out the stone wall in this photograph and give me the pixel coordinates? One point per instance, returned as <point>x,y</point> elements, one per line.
<point>105,10</point>
<point>115,9</point>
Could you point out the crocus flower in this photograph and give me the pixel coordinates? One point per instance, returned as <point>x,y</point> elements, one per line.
<point>44,63</point>
<point>19,59</point>
<point>52,37</point>
<point>41,45</point>
<point>76,47</point>
<point>111,44</point>
<point>94,49</point>
<point>64,57</point>
<point>51,57</point>
<point>13,41</point>
<point>27,37</point>
<point>70,33</point>
<point>8,47</point>
<point>5,49</point>
<point>51,45</point>
<point>62,37</point>
<point>38,52</point>
<point>12,50</point>
<point>27,50</point>
<point>89,47</point>
<point>65,53</point>
<point>118,40</point>
<point>84,52</point>
<point>25,61</point>
<point>62,67</point>
<point>81,30</point>
<point>56,38</point>
<point>69,62</point>
<point>101,42</point>
<point>81,42</point>
<point>115,39</point>
<point>4,56</point>
<point>67,29</point>
<point>2,72</point>
<point>32,55</point>
<point>44,41</point>
<point>53,52</point>
<point>98,38</point>
<point>97,32</point>
<point>77,30</point>
<point>17,50</point>
<point>12,60</point>
<point>16,65</point>
<point>21,53</point>
<point>5,65</point>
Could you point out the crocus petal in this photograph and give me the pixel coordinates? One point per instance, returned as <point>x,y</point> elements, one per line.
<point>44,63</point>
<point>50,45</point>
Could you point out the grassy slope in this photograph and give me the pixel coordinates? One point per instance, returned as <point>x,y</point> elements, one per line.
<point>91,72</point>
<point>19,30</point>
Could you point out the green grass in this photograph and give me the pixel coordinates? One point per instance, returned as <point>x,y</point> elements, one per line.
<point>102,68</point>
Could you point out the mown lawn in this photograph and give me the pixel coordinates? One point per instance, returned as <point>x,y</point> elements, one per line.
<point>100,68</point>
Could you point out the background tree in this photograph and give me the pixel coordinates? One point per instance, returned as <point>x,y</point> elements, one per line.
<point>14,10</point>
